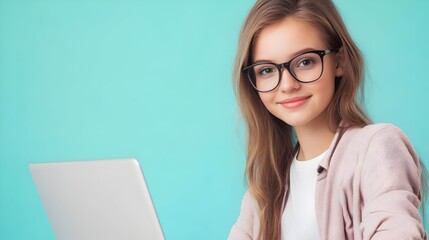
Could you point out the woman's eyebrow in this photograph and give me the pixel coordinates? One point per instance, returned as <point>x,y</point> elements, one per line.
<point>293,55</point>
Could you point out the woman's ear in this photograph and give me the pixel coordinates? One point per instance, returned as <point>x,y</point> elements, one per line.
<point>340,63</point>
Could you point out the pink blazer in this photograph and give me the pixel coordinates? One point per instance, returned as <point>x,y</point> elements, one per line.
<point>368,187</point>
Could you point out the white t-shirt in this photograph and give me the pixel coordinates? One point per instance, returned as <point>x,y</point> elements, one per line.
<point>299,217</point>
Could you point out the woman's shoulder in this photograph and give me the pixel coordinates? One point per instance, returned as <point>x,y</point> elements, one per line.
<point>248,199</point>
<point>374,128</point>
<point>375,139</point>
<point>382,141</point>
<point>377,132</point>
<point>247,224</point>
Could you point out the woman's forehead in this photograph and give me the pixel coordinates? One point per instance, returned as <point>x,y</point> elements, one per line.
<point>283,40</point>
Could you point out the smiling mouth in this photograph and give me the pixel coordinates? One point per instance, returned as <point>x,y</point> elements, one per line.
<point>294,102</point>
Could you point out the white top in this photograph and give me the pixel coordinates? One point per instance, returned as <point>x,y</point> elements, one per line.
<point>299,217</point>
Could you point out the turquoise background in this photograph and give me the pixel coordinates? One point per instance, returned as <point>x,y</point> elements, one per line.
<point>152,80</point>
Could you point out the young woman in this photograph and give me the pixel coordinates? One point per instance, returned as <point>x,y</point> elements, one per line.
<point>316,167</point>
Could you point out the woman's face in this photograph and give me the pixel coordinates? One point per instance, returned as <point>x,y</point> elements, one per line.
<point>280,43</point>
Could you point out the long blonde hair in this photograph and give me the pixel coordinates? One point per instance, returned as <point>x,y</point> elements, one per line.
<point>271,144</point>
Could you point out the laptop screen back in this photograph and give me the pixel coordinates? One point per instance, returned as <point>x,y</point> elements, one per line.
<point>103,199</point>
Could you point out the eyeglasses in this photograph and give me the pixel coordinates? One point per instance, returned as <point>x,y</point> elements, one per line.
<point>306,67</point>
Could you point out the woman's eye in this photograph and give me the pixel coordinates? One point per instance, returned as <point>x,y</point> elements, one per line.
<point>306,62</point>
<point>266,71</point>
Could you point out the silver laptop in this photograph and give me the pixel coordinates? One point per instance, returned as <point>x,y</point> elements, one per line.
<point>91,200</point>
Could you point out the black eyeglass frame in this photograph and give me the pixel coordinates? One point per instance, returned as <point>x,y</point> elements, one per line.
<point>286,65</point>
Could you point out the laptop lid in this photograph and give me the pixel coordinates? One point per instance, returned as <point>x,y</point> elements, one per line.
<point>102,199</point>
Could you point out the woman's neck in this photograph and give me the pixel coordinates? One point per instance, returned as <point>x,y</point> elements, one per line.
<point>314,139</point>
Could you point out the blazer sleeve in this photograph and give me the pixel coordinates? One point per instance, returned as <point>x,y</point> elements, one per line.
<point>243,228</point>
<point>390,188</point>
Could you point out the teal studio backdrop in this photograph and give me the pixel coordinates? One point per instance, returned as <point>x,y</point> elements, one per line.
<point>84,80</point>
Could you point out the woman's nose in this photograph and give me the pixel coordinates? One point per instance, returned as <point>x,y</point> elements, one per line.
<point>287,82</point>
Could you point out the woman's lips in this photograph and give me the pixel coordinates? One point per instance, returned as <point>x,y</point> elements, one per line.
<point>295,102</point>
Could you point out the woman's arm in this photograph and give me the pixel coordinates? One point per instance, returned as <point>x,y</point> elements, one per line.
<point>390,188</point>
